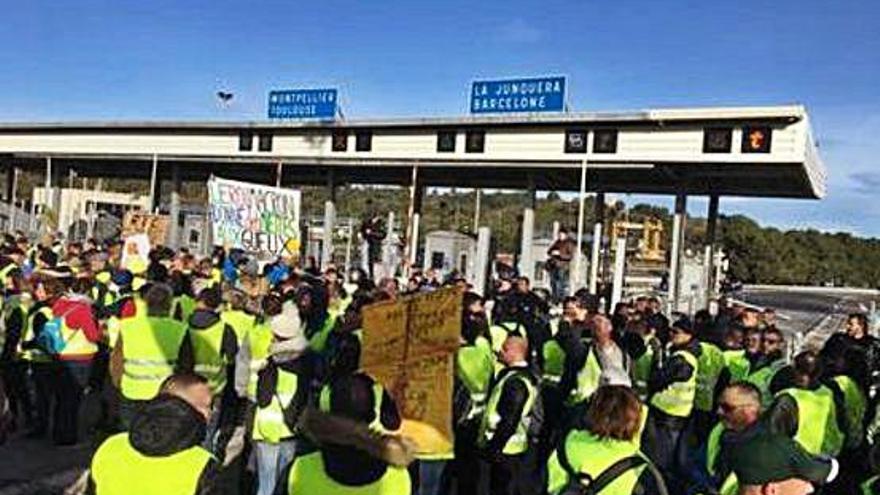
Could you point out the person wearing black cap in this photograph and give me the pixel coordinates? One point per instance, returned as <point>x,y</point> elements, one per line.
<point>773,464</point>
<point>672,389</point>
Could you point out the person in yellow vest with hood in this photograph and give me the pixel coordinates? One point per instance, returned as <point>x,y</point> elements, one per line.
<point>161,453</point>
<point>209,350</point>
<point>810,412</point>
<point>282,393</point>
<point>149,345</point>
<point>605,456</point>
<point>671,393</point>
<point>352,457</point>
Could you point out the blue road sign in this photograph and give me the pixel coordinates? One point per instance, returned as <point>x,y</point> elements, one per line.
<point>538,94</point>
<point>302,104</point>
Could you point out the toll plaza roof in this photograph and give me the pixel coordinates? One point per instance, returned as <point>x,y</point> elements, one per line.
<point>740,151</point>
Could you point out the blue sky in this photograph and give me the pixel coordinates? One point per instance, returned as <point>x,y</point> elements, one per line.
<point>120,59</point>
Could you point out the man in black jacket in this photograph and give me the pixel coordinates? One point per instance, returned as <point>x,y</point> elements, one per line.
<point>507,433</point>
<point>161,453</point>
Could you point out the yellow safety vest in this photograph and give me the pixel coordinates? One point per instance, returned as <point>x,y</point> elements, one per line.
<point>318,341</point>
<point>678,398</point>
<point>519,441</point>
<point>737,363</point>
<point>118,469</point>
<point>36,355</point>
<point>591,455</point>
<point>856,406</point>
<point>240,321</point>
<point>259,341</point>
<point>642,368</point>
<point>710,364</point>
<point>817,431</point>
<point>5,271</point>
<point>588,379</point>
<point>183,307</point>
<point>308,477</point>
<point>149,350</point>
<point>730,485</point>
<point>207,345</point>
<point>762,377</point>
<point>554,362</point>
<point>475,367</point>
<point>269,424</point>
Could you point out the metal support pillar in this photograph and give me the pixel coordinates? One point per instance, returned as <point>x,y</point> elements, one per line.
<point>477,200</point>
<point>389,246</point>
<point>10,184</point>
<point>711,239</point>
<point>678,227</point>
<point>577,278</point>
<point>155,192</point>
<point>279,173</point>
<point>174,208</point>
<point>48,197</point>
<point>481,263</point>
<point>526,262</point>
<point>13,197</point>
<point>619,271</point>
<point>596,253</point>
<point>329,223</point>
<point>414,213</point>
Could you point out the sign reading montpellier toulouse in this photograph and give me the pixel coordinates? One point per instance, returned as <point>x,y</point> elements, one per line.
<point>539,94</point>
<point>302,104</point>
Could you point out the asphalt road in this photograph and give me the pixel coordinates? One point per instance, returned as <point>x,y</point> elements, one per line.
<point>811,316</point>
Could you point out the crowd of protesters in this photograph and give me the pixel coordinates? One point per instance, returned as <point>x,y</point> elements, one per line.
<point>227,375</point>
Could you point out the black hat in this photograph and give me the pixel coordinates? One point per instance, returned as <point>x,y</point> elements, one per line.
<point>48,257</point>
<point>685,324</point>
<point>771,457</point>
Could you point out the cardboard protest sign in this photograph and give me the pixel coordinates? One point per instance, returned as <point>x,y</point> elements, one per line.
<point>139,222</point>
<point>253,217</point>
<point>409,346</point>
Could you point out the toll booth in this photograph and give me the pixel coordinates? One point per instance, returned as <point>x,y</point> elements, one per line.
<point>77,211</point>
<point>447,251</point>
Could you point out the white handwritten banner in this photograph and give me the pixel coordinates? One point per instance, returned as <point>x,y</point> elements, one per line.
<point>253,217</point>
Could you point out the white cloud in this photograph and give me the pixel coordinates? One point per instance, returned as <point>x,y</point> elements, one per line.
<point>519,31</point>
